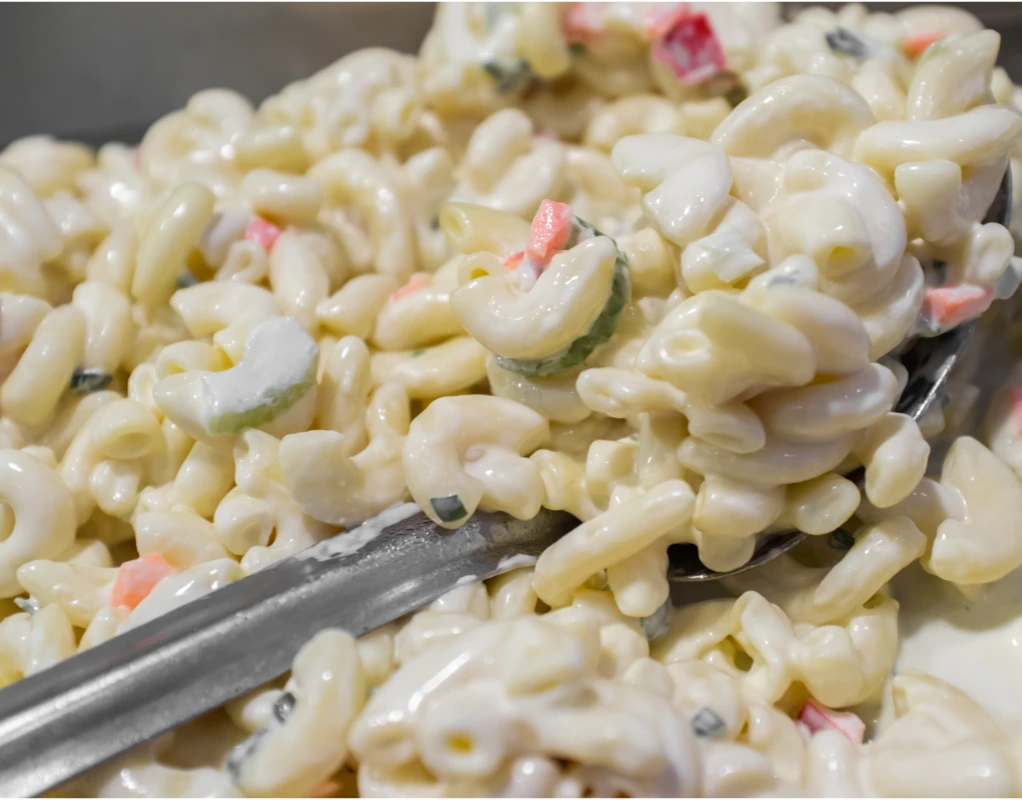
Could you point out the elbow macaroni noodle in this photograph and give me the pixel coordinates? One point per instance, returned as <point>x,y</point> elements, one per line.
<point>263,326</point>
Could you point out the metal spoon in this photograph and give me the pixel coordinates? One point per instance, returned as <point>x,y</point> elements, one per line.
<point>95,705</point>
<point>151,679</point>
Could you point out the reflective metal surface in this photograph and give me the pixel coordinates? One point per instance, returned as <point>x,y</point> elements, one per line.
<point>142,683</point>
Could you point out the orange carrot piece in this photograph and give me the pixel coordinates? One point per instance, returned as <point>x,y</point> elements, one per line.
<point>949,306</point>
<point>263,233</point>
<point>136,579</point>
<point>420,280</point>
<point>817,717</point>
<point>917,44</point>
<point>551,228</point>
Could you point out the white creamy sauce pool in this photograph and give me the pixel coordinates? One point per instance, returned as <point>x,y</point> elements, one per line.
<point>508,563</point>
<point>278,356</point>
<point>352,541</point>
<point>971,640</point>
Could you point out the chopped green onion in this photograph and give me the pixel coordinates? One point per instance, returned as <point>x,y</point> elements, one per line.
<point>843,41</point>
<point>726,84</point>
<point>657,623</point>
<point>243,751</point>
<point>577,48</point>
<point>27,604</point>
<point>510,76</point>
<point>736,95</point>
<point>418,352</point>
<point>185,279</point>
<point>841,539</point>
<point>283,706</point>
<point>86,381</point>
<point>448,509</point>
<point>706,724</point>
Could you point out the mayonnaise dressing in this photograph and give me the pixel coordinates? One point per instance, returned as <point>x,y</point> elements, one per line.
<point>278,368</point>
<point>344,544</point>
<point>508,563</point>
<point>972,641</point>
<point>279,355</point>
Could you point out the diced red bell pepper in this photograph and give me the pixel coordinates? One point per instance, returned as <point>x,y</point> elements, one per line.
<point>584,22</point>
<point>551,228</point>
<point>263,233</point>
<point>513,260</point>
<point>420,280</point>
<point>659,20</point>
<point>136,579</point>
<point>691,49</point>
<point>949,306</point>
<point>817,717</point>
<point>918,43</point>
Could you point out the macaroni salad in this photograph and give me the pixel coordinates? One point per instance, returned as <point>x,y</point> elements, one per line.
<point>651,264</point>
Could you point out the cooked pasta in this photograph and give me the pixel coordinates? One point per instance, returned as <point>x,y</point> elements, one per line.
<point>652,264</point>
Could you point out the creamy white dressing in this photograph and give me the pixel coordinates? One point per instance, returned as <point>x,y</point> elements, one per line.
<point>508,563</point>
<point>279,354</point>
<point>279,365</point>
<point>344,544</point>
<point>223,230</point>
<point>348,542</point>
<point>972,641</point>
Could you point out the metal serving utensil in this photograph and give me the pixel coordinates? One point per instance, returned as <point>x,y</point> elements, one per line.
<point>147,681</point>
<point>84,710</point>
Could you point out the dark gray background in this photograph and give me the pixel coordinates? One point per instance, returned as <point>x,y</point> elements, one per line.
<point>97,71</point>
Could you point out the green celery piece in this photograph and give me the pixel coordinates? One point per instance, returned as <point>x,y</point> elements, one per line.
<point>276,403</point>
<point>599,332</point>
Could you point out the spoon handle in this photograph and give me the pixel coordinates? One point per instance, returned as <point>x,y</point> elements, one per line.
<point>148,680</point>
